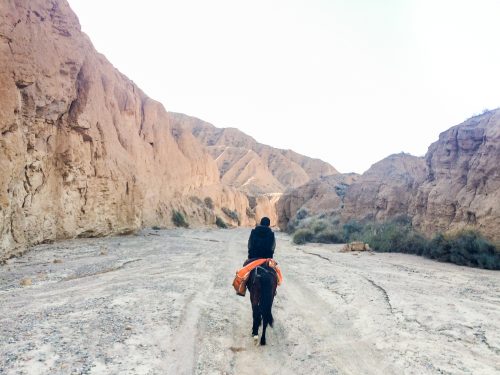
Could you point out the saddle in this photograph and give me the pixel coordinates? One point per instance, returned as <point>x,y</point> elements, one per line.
<point>242,275</point>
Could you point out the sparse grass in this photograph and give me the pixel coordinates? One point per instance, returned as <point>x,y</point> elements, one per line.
<point>467,248</point>
<point>179,220</point>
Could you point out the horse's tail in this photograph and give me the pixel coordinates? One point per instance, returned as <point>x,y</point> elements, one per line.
<point>266,299</point>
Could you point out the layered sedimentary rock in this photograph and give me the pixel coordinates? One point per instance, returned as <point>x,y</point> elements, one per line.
<point>386,189</point>
<point>462,187</point>
<point>251,166</point>
<point>321,195</point>
<point>456,185</point>
<point>83,151</point>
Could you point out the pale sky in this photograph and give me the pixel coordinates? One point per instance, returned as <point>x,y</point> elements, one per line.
<point>346,81</point>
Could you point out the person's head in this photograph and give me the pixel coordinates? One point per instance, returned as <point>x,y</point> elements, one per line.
<point>265,221</point>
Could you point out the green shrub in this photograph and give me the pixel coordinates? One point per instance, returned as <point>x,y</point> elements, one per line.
<point>465,248</point>
<point>179,220</point>
<point>303,236</point>
<point>403,220</point>
<point>301,214</point>
<point>394,237</point>
<point>291,227</point>
<point>341,189</point>
<point>220,223</point>
<point>328,236</point>
<point>318,226</point>
<point>351,230</point>
<point>209,203</point>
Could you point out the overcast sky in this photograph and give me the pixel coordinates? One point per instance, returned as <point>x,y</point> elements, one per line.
<point>346,81</point>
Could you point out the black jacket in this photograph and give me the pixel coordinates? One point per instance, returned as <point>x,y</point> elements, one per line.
<point>261,243</point>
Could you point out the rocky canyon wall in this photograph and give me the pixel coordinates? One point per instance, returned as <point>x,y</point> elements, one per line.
<point>83,151</point>
<point>462,186</point>
<point>456,185</point>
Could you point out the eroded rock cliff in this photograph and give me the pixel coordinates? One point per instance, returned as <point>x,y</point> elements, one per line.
<point>321,195</point>
<point>83,151</point>
<point>462,187</point>
<point>385,190</point>
<point>456,185</point>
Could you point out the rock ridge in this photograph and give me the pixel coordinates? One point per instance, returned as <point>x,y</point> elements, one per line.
<point>251,166</point>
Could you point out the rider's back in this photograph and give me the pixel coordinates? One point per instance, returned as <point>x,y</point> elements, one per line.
<point>261,243</point>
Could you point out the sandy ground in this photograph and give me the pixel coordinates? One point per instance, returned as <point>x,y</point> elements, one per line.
<point>161,302</point>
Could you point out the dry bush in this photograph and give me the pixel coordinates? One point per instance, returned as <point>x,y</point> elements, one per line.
<point>179,220</point>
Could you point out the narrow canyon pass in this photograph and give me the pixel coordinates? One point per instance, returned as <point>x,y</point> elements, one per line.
<point>95,279</point>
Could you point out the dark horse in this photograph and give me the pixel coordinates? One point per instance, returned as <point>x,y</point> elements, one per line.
<point>262,286</point>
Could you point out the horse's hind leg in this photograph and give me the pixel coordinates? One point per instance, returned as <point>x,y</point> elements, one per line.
<point>256,320</point>
<point>263,337</point>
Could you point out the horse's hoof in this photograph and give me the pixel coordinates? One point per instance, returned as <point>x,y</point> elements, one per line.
<point>262,342</point>
<point>256,339</point>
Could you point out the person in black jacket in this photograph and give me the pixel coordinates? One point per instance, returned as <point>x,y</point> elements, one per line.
<point>261,243</point>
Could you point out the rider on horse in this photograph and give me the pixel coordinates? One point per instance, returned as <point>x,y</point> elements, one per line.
<point>261,274</point>
<point>261,245</point>
<point>264,278</point>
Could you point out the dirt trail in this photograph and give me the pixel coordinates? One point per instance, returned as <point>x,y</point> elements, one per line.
<point>161,303</point>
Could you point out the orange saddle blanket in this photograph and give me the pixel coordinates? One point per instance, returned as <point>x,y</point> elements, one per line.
<point>240,280</point>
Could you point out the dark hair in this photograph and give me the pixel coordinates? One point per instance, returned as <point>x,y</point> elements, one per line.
<point>265,221</point>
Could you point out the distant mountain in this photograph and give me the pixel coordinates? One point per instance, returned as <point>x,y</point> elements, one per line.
<point>251,166</point>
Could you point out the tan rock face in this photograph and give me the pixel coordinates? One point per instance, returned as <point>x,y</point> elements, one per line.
<point>456,185</point>
<point>83,151</point>
<point>462,187</point>
<point>317,196</point>
<point>385,190</point>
